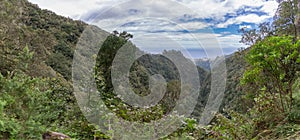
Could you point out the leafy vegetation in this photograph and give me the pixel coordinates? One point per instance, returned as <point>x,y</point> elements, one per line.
<point>262,97</point>
<point>274,69</point>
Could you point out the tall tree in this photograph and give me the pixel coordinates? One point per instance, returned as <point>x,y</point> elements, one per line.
<point>274,68</point>
<point>250,37</point>
<point>286,22</point>
<point>107,54</point>
<point>287,17</point>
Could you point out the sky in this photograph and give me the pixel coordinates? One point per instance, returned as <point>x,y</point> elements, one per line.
<point>199,28</point>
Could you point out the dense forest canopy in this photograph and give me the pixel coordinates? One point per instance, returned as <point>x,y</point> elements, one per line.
<point>262,98</point>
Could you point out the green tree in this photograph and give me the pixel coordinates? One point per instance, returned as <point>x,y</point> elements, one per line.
<point>286,22</point>
<point>274,68</point>
<point>250,37</point>
<point>22,107</point>
<point>287,18</point>
<point>107,54</point>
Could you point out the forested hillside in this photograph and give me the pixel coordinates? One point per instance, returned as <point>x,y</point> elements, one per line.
<point>262,97</point>
<point>36,57</point>
<point>37,49</point>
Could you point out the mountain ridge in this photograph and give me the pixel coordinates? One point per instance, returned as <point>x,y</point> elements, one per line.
<point>53,38</point>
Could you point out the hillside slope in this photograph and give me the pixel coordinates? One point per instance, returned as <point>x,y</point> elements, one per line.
<point>235,67</point>
<point>53,38</point>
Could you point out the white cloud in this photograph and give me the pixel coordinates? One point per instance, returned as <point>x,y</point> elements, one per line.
<point>193,25</point>
<point>156,25</point>
<point>74,8</point>
<point>270,7</point>
<point>212,44</point>
<point>168,16</point>
<point>245,26</point>
<point>216,9</point>
<point>202,8</point>
<point>187,10</point>
<point>251,18</point>
<point>188,40</point>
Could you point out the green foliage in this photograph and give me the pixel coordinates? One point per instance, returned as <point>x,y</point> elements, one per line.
<point>294,115</point>
<point>270,81</point>
<point>106,56</point>
<point>286,20</point>
<point>22,99</point>
<point>61,64</point>
<point>237,127</point>
<point>139,78</point>
<point>233,96</point>
<point>286,130</point>
<point>30,106</point>
<point>43,31</point>
<point>274,68</point>
<point>191,130</point>
<point>24,58</point>
<point>250,37</point>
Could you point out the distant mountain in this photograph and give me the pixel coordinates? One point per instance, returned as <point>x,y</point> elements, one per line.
<point>235,67</point>
<point>203,63</point>
<point>53,40</point>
